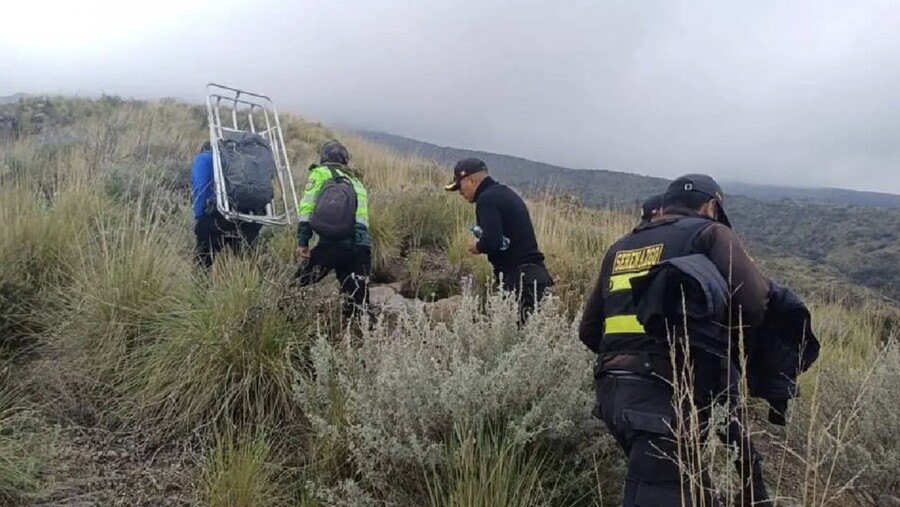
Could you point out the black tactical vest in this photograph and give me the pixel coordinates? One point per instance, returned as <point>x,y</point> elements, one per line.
<point>633,256</point>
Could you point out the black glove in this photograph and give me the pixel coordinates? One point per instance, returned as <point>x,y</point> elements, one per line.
<point>777,411</point>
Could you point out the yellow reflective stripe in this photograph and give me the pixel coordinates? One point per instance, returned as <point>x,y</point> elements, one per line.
<point>622,324</point>
<point>623,281</point>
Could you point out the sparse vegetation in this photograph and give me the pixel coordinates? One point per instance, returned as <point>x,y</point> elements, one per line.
<point>19,463</point>
<point>269,400</point>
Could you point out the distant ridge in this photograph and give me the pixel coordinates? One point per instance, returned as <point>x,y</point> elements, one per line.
<point>10,99</point>
<point>855,233</point>
<point>631,186</point>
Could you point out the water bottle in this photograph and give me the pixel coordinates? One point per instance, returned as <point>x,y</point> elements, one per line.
<point>477,232</point>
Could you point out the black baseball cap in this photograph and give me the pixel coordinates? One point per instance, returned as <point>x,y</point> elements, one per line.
<point>464,168</point>
<point>654,202</point>
<point>700,183</point>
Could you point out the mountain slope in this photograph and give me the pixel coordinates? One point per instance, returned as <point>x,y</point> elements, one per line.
<point>860,242</point>
<point>12,99</point>
<point>817,195</point>
<point>617,187</point>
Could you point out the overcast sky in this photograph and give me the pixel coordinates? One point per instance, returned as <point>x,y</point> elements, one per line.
<point>798,92</point>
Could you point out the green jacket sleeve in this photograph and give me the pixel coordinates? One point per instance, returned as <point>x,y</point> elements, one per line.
<point>317,178</point>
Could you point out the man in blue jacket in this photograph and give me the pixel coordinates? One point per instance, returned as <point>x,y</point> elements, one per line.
<point>212,230</point>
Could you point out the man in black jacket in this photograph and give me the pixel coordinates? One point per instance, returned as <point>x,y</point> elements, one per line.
<point>505,235</point>
<point>633,370</point>
<point>651,207</point>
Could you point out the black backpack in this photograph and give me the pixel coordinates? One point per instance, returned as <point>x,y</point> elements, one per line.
<point>248,168</point>
<point>334,216</point>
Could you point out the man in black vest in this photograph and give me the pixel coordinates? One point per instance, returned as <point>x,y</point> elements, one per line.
<point>505,234</point>
<point>633,370</point>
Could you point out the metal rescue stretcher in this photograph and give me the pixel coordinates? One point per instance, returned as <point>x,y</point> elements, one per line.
<point>245,111</point>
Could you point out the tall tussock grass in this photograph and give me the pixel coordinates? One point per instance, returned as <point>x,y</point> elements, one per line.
<point>19,465</point>
<point>846,445</point>
<point>239,472</point>
<point>125,279</point>
<point>227,354</point>
<point>839,445</point>
<point>39,242</point>
<point>486,469</point>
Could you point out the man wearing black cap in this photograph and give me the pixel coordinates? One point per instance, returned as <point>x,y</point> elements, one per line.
<point>651,207</point>
<point>634,372</point>
<point>506,234</point>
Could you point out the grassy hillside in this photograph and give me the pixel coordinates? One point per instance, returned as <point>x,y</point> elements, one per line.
<point>128,378</point>
<point>861,244</point>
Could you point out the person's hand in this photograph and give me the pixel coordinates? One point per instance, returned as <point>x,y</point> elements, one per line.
<point>303,252</point>
<point>473,246</point>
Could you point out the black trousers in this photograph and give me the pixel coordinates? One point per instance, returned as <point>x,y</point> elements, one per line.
<point>352,266</point>
<point>529,282</point>
<point>214,233</point>
<point>639,412</point>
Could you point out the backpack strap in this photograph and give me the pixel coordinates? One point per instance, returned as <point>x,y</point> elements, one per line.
<point>337,175</point>
<point>348,176</point>
<point>334,173</point>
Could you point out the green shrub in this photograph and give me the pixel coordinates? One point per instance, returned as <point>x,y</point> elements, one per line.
<point>408,387</point>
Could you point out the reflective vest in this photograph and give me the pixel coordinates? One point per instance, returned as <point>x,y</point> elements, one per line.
<point>633,256</point>
<point>317,178</point>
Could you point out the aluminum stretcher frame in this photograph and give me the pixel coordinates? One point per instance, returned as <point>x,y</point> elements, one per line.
<point>241,104</point>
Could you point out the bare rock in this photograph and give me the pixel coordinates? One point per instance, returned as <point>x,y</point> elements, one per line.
<point>387,300</point>
<point>379,295</point>
<point>443,310</point>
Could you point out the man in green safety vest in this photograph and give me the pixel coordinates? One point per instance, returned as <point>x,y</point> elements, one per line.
<point>335,207</point>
